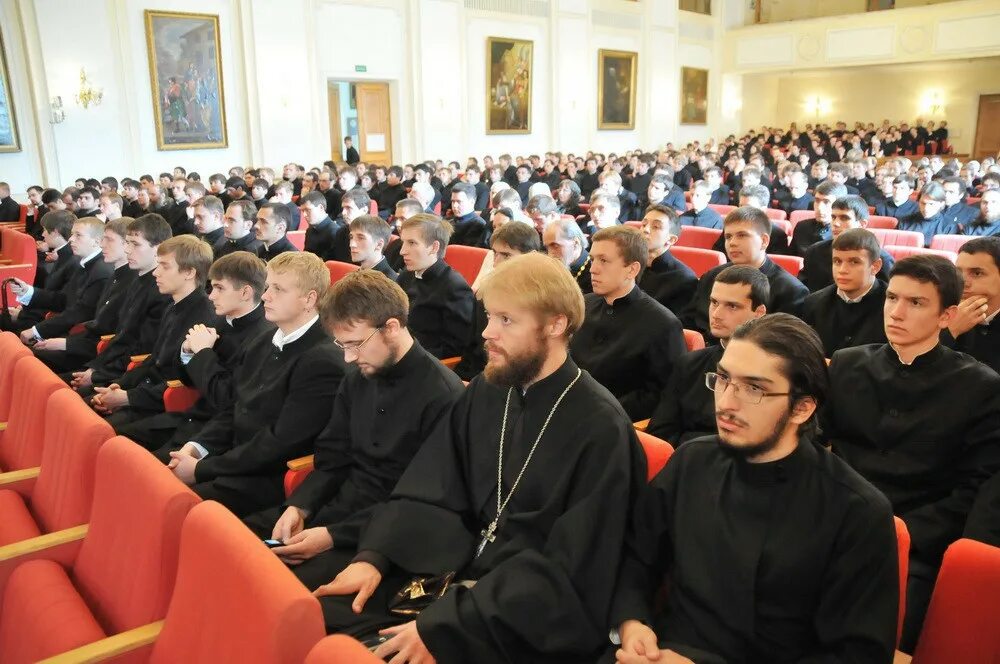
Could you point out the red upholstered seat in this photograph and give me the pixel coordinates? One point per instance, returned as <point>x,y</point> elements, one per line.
<point>338,269</point>
<point>234,600</point>
<point>949,242</point>
<point>774,214</point>
<point>961,622</point>
<point>657,451</point>
<point>46,614</point>
<point>11,350</point>
<point>297,238</point>
<point>699,260</point>
<point>791,264</point>
<point>887,236</point>
<point>16,524</point>
<point>903,552</point>
<point>124,573</point>
<point>899,253</point>
<point>889,223</point>
<point>723,210</point>
<point>693,340</point>
<point>341,649</point>
<point>21,443</point>
<point>467,261</point>
<point>695,236</point>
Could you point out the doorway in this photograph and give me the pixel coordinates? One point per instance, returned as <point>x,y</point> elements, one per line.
<point>361,111</point>
<point>987,127</point>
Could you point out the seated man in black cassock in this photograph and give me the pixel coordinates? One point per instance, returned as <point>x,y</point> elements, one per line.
<point>747,233</point>
<point>900,205</point>
<point>817,264</point>
<point>514,238</point>
<point>718,192</point>
<point>392,193</point>
<point>988,220</point>
<point>76,302</point>
<point>628,342</point>
<point>270,230</point>
<point>798,196</point>
<point>564,240</point>
<point>326,236</point>
<point>182,265</point>
<point>917,419</point>
<point>238,228</point>
<point>756,195</point>
<point>666,279</point>
<point>55,261</point>
<point>810,231</point>
<point>441,301</point>
<point>929,219</point>
<point>700,214</point>
<point>686,409</point>
<point>209,224</point>
<point>534,555</point>
<point>814,580</point>
<point>971,331</point>
<point>382,415</point>
<point>284,387</point>
<point>471,230</point>
<point>62,354</point>
<point>368,238</point>
<point>849,311</point>
<point>237,285</point>
<point>956,212</point>
<point>663,191</point>
<point>142,308</point>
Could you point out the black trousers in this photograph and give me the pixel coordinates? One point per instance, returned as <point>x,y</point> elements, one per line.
<point>337,612</point>
<point>243,495</point>
<point>61,361</point>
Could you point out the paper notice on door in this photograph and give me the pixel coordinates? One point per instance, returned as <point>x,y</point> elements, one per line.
<point>375,143</point>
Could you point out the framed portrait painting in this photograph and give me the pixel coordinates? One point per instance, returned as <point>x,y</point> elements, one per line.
<point>8,122</point>
<point>616,75</point>
<point>185,72</point>
<point>694,96</point>
<point>509,75</point>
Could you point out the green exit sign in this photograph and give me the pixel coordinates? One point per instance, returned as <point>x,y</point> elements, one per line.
<point>361,68</point>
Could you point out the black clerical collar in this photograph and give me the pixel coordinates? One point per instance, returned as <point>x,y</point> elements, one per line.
<point>326,223</point>
<point>465,218</point>
<point>550,387</point>
<point>921,361</point>
<point>771,473</point>
<point>633,295</point>
<point>191,299</point>
<point>212,236</point>
<point>432,272</point>
<point>242,241</point>
<point>406,364</point>
<point>247,319</point>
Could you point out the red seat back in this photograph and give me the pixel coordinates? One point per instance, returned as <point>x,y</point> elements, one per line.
<point>21,443</point>
<point>774,214</point>
<point>338,269</point>
<point>896,238</point>
<point>234,601</point>
<point>128,561</point>
<point>783,224</point>
<point>179,399</point>
<point>723,210</point>
<point>74,434</point>
<point>657,453</point>
<point>791,264</point>
<point>340,649</point>
<point>695,236</point>
<point>298,239</point>
<point>899,253</point>
<point>467,261</point>
<point>11,350</point>
<point>903,552</point>
<point>949,242</point>
<point>373,208</point>
<point>693,340</point>
<point>961,622</point>
<point>888,223</point>
<point>634,224</point>
<point>699,260</point>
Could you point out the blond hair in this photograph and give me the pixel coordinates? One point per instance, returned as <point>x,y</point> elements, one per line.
<point>540,284</point>
<point>309,270</point>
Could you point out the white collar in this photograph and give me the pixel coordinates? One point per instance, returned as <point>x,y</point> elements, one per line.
<point>88,258</point>
<point>989,319</point>
<point>843,296</point>
<point>280,339</point>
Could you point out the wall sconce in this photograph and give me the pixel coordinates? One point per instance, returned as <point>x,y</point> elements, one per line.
<point>818,106</point>
<point>932,103</point>
<point>56,113</point>
<point>88,94</point>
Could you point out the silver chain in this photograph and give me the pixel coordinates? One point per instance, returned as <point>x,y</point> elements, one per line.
<point>488,533</point>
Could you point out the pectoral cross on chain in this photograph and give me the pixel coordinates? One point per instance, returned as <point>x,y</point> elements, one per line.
<point>488,536</point>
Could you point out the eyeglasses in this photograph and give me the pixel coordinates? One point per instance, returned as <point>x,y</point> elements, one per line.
<point>750,394</point>
<point>354,348</point>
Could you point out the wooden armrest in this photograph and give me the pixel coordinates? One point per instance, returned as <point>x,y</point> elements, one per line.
<point>302,463</point>
<point>42,542</point>
<point>107,337</point>
<point>5,261</point>
<point>641,425</point>
<point>139,358</point>
<point>3,426</point>
<point>112,646</point>
<point>451,362</point>
<point>174,383</point>
<point>20,481</point>
<point>901,658</point>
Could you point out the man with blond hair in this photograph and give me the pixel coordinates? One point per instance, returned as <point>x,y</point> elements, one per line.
<point>284,386</point>
<point>551,531</point>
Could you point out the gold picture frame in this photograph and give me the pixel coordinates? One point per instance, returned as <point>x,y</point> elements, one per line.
<point>185,77</point>
<point>616,90</point>
<point>694,96</point>
<point>509,77</point>
<point>9,139</point>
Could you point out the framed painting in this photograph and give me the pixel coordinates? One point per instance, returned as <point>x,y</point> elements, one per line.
<point>185,73</point>
<point>509,77</point>
<point>8,122</point>
<point>694,96</point>
<point>616,72</point>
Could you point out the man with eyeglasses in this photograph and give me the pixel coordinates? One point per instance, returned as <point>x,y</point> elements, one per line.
<point>382,415</point>
<point>284,385</point>
<point>775,549</point>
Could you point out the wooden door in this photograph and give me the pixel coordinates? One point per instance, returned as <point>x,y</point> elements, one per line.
<point>374,123</point>
<point>336,138</point>
<point>988,127</point>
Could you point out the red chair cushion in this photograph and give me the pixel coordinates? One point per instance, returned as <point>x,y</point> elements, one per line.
<point>43,614</point>
<point>16,522</point>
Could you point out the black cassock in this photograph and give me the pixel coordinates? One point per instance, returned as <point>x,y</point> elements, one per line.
<point>686,409</point>
<point>545,583</point>
<point>788,561</point>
